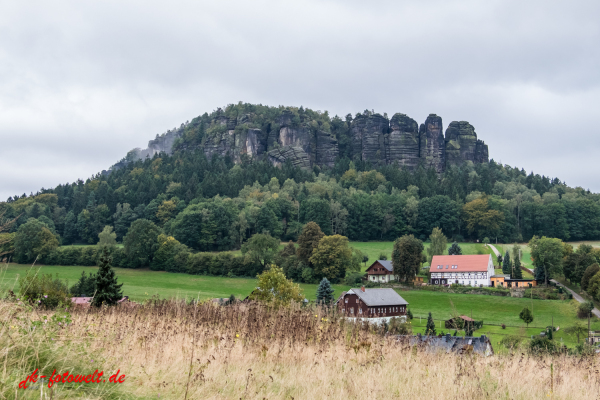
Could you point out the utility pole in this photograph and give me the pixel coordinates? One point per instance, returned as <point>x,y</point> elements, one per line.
<point>589,314</point>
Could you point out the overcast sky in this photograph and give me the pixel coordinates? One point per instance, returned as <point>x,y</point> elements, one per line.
<point>81,83</point>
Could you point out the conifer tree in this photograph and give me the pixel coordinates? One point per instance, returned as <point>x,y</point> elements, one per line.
<point>517,273</point>
<point>107,290</point>
<point>506,265</point>
<point>325,292</point>
<point>430,328</point>
<point>455,250</point>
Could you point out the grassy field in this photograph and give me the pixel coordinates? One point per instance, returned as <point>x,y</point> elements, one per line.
<point>175,351</point>
<point>141,284</point>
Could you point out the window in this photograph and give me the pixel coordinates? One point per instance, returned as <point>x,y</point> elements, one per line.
<point>446,266</point>
<point>352,311</point>
<point>346,300</point>
<point>360,310</point>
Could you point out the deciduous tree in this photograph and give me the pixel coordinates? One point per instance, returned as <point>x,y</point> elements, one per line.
<point>547,255</point>
<point>308,241</point>
<point>407,257</point>
<point>273,287</point>
<point>261,248</point>
<point>331,258</point>
<point>438,244</point>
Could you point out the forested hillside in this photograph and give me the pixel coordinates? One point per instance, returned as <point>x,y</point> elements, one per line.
<point>218,203</point>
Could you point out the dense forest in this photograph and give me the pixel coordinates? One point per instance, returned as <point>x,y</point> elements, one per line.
<point>217,203</point>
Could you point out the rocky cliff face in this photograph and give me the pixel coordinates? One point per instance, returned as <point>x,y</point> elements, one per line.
<point>307,138</point>
<point>368,137</point>
<point>432,146</point>
<point>462,144</point>
<point>403,142</point>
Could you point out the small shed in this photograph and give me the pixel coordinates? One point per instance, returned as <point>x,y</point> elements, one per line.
<point>460,323</point>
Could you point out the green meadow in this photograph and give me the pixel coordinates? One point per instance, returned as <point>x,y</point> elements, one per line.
<point>142,284</point>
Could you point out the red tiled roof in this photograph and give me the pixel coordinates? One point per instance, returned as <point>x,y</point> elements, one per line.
<point>465,263</point>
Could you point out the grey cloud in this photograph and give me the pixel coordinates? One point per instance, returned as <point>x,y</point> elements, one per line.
<point>81,84</point>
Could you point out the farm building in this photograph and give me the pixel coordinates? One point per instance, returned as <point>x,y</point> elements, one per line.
<point>381,271</point>
<point>506,281</point>
<point>468,270</point>
<point>382,303</point>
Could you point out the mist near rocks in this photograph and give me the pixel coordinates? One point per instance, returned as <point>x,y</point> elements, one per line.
<point>83,83</point>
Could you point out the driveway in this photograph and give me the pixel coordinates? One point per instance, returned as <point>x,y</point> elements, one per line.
<point>576,296</point>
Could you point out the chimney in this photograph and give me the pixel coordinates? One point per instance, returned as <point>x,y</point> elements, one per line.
<point>362,288</point>
<point>447,337</point>
<point>482,338</point>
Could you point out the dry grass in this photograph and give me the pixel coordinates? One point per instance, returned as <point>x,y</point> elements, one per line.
<point>172,350</point>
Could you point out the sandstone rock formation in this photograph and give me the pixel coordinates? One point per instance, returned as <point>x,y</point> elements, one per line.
<point>368,140</point>
<point>403,141</point>
<point>291,134</point>
<point>432,145</point>
<point>462,144</point>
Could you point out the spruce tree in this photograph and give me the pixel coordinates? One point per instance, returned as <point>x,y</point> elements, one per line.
<point>325,292</point>
<point>430,328</point>
<point>107,290</point>
<point>517,272</point>
<point>506,265</point>
<point>455,250</point>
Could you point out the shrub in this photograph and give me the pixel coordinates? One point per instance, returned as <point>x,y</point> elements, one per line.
<point>44,291</point>
<point>397,327</point>
<point>585,309</point>
<point>354,278</point>
<point>511,341</point>
<point>542,345</point>
<point>503,326</point>
<point>409,314</point>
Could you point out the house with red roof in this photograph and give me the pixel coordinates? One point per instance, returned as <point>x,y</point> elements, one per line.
<point>468,270</point>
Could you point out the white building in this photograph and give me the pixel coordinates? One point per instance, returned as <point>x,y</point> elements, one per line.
<point>470,270</point>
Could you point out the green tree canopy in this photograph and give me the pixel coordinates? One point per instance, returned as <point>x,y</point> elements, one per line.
<point>547,255</point>
<point>166,256</point>
<point>107,237</point>
<point>406,257</point>
<point>331,258</point>
<point>261,248</point>
<point>33,239</point>
<point>308,241</point>
<point>438,244</point>
<point>274,287</point>
<point>141,242</point>
<point>481,219</point>
<point>588,274</point>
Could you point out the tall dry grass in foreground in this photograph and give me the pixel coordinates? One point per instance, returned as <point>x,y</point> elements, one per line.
<point>174,350</point>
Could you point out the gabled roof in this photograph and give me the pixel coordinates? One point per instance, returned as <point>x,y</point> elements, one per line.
<point>452,344</point>
<point>386,264</point>
<point>379,297</point>
<point>469,263</point>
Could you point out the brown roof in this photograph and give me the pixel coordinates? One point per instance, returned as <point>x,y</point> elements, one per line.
<point>467,318</point>
<point>468,263</point>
